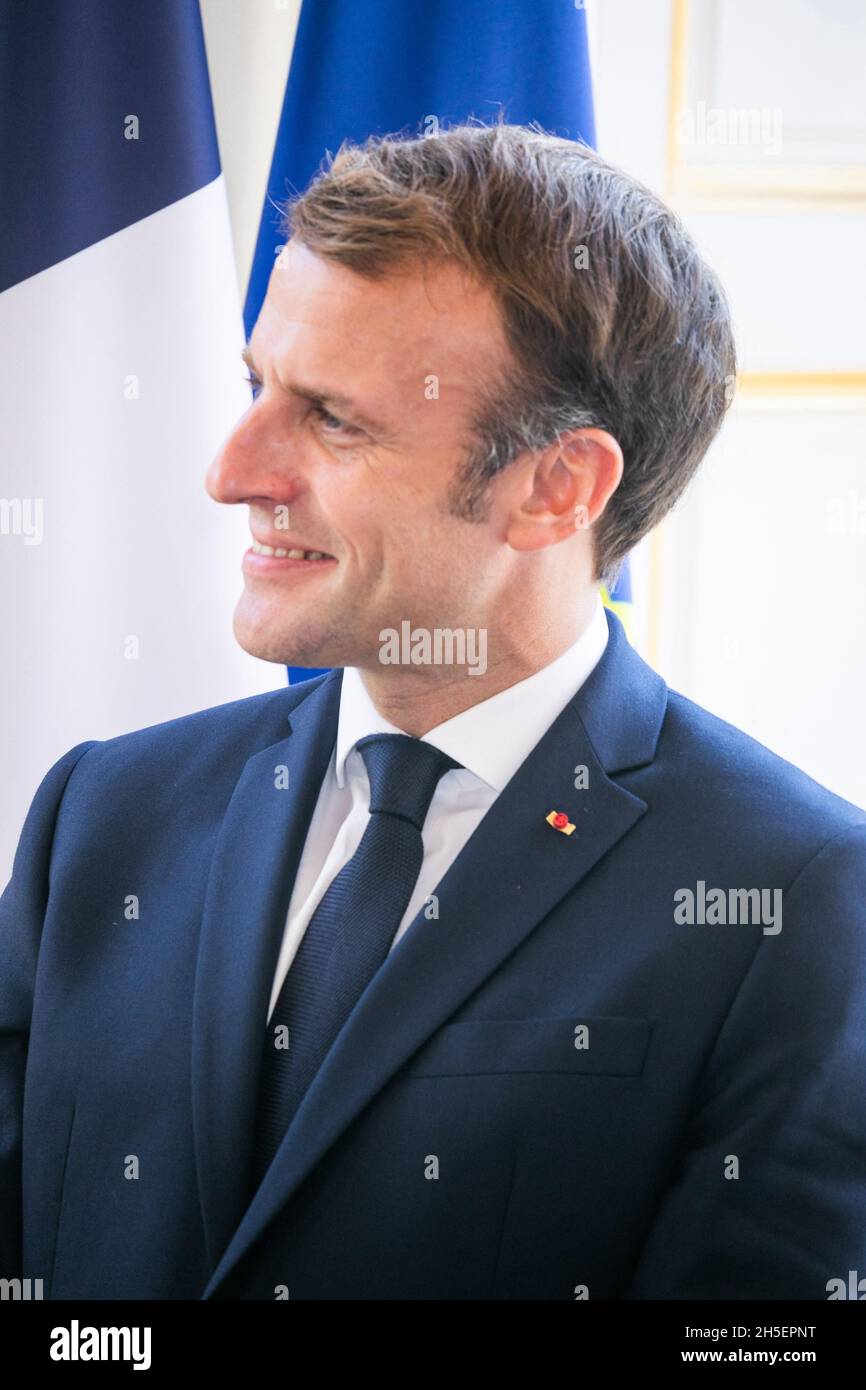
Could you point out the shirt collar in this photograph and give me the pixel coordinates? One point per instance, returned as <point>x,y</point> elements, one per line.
<point>490,739</point>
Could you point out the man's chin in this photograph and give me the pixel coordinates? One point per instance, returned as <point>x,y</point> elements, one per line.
<point>258,640</point>
<point>314,648</point>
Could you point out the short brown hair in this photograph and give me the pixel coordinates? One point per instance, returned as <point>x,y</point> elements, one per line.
<point>613,318</point>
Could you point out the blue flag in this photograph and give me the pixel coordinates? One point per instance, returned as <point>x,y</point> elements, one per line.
<point>107,117</point>
<point>378,67</point>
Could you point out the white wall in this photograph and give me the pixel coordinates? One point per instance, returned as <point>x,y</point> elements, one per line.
<point>249,47</point>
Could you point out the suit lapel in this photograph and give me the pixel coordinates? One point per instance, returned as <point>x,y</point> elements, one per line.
<point>249,887</point>
<point>509,875</point>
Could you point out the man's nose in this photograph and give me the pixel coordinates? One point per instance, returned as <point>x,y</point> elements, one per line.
<point>252,462</point>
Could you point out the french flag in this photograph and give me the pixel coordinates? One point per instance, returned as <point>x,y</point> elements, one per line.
<point>121,330</point>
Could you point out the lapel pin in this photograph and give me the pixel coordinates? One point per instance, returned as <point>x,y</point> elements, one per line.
<point>559,820</point>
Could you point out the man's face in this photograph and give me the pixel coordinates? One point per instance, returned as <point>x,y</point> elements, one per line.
<point>349,448</point>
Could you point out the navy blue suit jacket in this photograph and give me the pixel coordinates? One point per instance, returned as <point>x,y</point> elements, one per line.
<point>457,1143</point>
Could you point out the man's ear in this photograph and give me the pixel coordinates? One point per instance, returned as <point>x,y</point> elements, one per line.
<point>570,484</point>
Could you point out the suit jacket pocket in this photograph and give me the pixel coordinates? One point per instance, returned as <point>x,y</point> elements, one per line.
<point>602,1047</point>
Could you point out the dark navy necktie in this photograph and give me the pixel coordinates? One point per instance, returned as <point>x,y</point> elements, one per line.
<point>351,931</point>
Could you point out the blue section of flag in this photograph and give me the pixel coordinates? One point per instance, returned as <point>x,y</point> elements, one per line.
<point>621,591</point>
<point>71,72</point>
<point>377,67</point>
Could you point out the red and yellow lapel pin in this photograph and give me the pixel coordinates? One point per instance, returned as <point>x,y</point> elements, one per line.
<point>559,820</point>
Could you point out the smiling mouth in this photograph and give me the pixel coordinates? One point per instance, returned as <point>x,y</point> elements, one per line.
<point>278,554</point>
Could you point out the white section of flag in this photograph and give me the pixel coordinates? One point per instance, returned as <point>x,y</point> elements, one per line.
<point>131,546</point>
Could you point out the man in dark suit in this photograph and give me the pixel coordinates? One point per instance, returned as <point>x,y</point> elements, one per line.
<point>484,966</point>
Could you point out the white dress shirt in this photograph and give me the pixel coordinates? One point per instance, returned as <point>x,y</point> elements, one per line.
<point>491,740</point>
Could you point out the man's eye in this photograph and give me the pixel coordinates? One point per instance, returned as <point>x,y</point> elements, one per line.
<point>332,423</point>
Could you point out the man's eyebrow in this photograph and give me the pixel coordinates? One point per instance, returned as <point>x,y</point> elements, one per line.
<point>324,396</point>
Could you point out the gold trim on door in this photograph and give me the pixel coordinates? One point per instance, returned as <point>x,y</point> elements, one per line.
<point>740,187</point>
